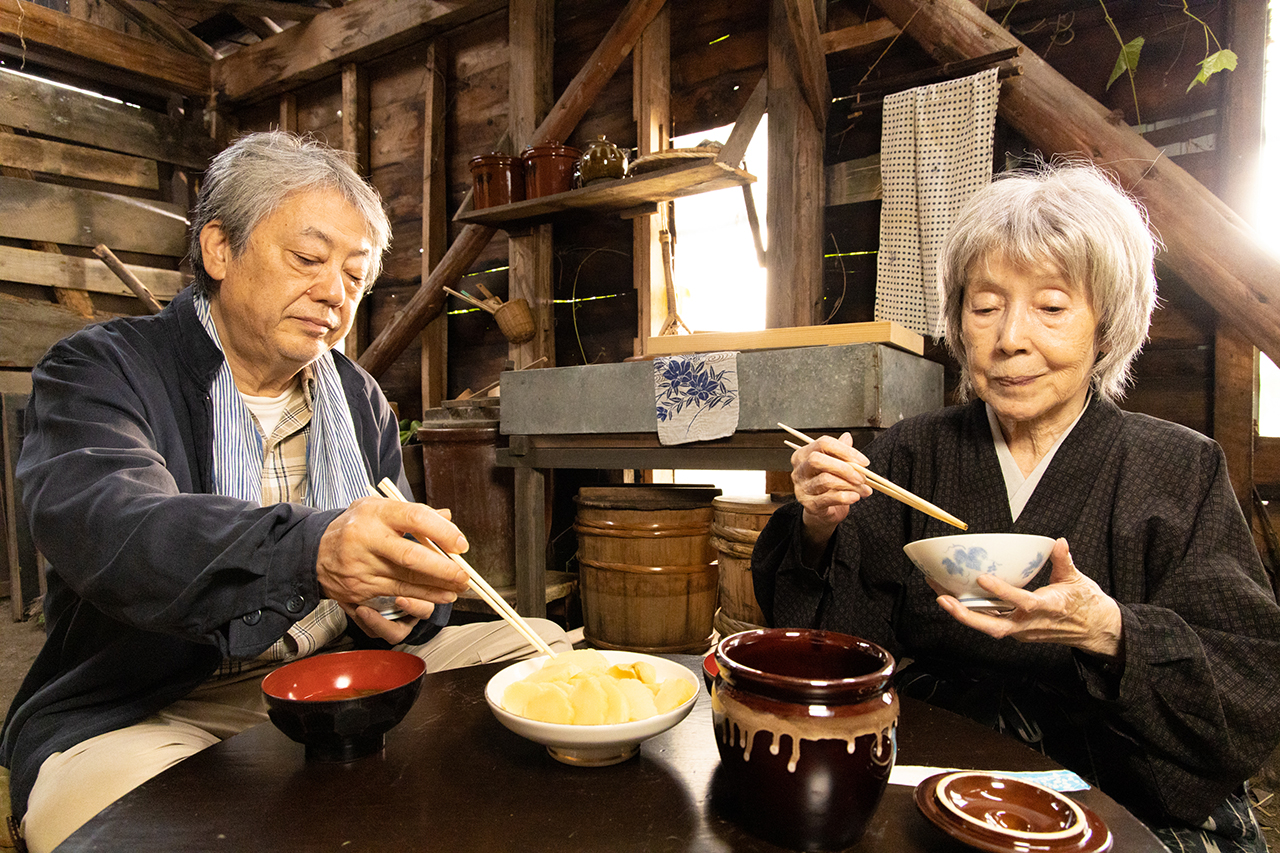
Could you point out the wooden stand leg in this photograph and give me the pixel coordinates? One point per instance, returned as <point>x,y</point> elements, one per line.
<point>531,543</point>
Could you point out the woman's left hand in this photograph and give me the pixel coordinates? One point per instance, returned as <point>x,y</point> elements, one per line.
<point>375,624</point>
<point>1071,610</point>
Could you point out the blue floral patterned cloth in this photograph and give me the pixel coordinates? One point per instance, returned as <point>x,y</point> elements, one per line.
<point>696,396</point>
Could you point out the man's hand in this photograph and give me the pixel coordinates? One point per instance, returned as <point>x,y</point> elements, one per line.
<point>364,553</point>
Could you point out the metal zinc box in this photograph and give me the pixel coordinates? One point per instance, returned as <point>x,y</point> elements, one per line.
<point>850,386</point>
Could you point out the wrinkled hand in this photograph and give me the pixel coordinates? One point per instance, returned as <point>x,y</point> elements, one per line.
<point>364,554</point>
<point>826,484</point>
<point>1071,610</point>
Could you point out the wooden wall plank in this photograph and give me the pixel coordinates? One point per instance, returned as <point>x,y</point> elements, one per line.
<point>31,210</point>
<point>75,161</point>
<point>355,32</point>
<point>89,274</point>
<point>171,69</point>
<point>50,110</point>
<point>435,224</point>
<point>29,328</point>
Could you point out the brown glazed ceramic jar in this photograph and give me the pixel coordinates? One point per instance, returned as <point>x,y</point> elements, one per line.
<point>499,179</point>
<point>806,724</point>
<point>548,169</point>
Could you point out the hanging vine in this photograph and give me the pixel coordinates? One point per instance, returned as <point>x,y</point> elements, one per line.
<point>1221,59</point>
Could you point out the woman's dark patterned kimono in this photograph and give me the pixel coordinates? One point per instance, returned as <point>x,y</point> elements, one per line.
<point>1193,710</point>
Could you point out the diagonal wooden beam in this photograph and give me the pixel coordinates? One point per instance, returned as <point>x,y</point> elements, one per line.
<point>560,122</point>
<point>1205,243</point>
<point>355,32</point>
<point>859,35</point>
<point>27,24</point>
<point>802,23</point>
<point>158,21</point>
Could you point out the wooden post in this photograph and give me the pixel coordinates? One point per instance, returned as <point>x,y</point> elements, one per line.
<point>531,27</point>
<point>355,140</point>
<point>435,226</point>
<point>1211,248</point>
<point>796,186</point>
<point>1235,359</point>
<point>651,103</point>
<point>560,122</point>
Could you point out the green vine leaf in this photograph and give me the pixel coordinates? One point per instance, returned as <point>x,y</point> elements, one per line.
<point>1128,60</point>
<point>1222,60</point>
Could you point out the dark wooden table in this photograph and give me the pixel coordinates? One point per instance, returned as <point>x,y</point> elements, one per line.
<point>451,778</point>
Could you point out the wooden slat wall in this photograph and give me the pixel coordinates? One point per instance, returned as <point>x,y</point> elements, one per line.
<point>77,171</point>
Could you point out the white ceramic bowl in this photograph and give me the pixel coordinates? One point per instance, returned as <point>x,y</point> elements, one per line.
<point>956,562</point>
<point>590,746</point>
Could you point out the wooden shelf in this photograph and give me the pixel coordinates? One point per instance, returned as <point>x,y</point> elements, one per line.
<point>613,196</point>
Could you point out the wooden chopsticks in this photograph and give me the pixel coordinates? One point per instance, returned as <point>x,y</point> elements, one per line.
<point>478,583</point>
<point>890,488</point>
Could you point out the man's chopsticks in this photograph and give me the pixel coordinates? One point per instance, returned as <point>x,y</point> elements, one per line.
<point>890,488</point>
<point>478,583</point>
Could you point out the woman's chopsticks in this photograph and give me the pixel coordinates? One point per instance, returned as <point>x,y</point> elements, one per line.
<point>890,488</point>
<point>479,584</point>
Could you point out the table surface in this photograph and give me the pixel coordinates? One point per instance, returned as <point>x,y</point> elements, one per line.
<point>452,778</point>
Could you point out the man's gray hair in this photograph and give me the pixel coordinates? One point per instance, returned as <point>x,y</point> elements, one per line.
<point>1076,218</point>
<point>249,180</point>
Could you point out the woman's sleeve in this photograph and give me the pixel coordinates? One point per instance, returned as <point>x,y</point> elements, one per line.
<point>1201,645</point>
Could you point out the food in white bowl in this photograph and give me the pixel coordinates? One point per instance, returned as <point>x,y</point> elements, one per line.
<point>593,745</point>
<point>956,562</point>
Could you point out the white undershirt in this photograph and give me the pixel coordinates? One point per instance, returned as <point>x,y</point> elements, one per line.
<point>267,410</point>
<point>1020,488</point>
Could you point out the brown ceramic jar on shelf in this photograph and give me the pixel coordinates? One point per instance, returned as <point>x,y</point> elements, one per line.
<point>549,169</point>
<point>806,725</point>
<point>601,159</point>
<point>499,179</point>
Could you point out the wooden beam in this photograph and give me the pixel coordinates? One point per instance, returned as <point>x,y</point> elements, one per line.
<point>560,122</point>
<point>531,28</point>
<point>854,181</point>
<point>651,105</point>
<point>802,24</point>
<point>859,36</point>
<point>31,24</point>
<point>1235,359</point>
<point>75,161</point>
<point>435,224</point>
<point>355,115</point>
<point>796,185</point>
<point>31,210</point>
<point>89,274</point>
<point>159,22</point>
<point>744,127</point>
<point>37,106</point>
<point>271,8</point>
<point>1210,248</point>
<point>355,32</point>
<point>28,328</point>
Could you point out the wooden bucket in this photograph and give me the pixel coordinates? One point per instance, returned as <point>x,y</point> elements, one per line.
<point>736,523</point>
<point>648,575</point>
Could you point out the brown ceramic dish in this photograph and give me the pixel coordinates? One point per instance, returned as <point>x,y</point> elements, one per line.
<point>1010,806</point>
<point>1096,837</point>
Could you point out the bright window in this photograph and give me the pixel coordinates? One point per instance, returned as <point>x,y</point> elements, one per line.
<point>1268,220</point>
<point>719,282</point>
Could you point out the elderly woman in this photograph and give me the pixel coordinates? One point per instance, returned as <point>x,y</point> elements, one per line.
<point>1145,655</point>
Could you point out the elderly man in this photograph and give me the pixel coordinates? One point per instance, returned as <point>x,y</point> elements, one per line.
<point>200,482</point>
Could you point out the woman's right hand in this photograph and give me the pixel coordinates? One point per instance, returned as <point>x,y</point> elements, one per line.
<point>827,484</point>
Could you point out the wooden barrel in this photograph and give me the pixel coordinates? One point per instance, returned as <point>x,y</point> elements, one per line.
<point>736,523</point>
<point>648,575</point>
<point>462,474</point>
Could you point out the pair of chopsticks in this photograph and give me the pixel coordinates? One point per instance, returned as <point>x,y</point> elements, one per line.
<point>478,583</point>
<point>888,487</point>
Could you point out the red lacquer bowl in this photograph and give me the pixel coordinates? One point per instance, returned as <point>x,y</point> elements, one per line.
<point>341,705</point>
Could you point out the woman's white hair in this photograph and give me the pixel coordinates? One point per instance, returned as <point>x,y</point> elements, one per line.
<point>1075,217</point>
<point>249,180</point>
